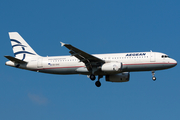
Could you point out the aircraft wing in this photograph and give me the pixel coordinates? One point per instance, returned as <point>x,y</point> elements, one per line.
<point>84,57</point>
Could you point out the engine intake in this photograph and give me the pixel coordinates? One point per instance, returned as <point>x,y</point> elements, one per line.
<point>121,77</point>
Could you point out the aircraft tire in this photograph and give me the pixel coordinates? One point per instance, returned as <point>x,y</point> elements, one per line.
<point>98,83</point>
<point>92,77</point>
<point>154,78</point>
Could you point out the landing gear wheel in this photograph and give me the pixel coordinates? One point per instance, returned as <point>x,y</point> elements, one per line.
<point>98,83</point>
<point>154,78</point>
<point>92,77</point>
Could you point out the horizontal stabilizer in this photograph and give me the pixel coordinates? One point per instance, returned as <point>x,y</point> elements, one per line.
<point>15,60</point>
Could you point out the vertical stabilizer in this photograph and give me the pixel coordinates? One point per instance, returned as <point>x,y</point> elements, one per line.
<point>21,48</point>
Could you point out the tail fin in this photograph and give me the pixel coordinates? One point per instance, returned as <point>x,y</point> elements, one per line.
<point>21,48</point>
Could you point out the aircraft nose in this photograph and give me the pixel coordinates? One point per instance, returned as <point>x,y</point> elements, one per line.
<point>173,62</point>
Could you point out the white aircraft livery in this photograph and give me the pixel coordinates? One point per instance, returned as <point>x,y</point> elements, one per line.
<point>115,67</point>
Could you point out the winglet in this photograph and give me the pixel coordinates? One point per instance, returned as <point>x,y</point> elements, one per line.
<point>62,44</point>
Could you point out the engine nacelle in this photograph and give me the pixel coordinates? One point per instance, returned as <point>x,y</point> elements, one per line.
<point>113,66</point>
<point>121,77</point>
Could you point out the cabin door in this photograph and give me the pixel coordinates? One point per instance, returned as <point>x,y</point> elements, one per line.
<point>152,57</point>
<point>39,63</point>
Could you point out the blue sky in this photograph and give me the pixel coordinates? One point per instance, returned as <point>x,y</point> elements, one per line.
<point>95,26</point>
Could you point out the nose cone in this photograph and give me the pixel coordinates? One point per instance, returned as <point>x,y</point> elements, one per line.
<point>173,62</point>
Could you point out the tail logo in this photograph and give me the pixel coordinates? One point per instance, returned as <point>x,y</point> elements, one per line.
<point>24,52</point>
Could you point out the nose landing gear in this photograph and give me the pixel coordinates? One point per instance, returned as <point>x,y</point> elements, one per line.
<point>154,78</point>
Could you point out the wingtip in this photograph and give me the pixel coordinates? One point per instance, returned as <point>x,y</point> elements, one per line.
<point>13,32</point>
<point>62,44</point>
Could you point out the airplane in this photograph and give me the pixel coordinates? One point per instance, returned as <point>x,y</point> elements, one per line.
<point>115,67</point>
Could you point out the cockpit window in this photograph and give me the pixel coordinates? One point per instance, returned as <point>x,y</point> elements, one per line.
<point>165,56</point>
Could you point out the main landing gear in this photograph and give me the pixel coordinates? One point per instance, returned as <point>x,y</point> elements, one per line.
<point>154,78</point>
<point>93,77</point>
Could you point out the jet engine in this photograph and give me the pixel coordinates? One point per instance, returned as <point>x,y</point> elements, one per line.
<point>113,66</point>
<point>121,77</point>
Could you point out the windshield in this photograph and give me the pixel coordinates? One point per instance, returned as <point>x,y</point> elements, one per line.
<point>165,56</point>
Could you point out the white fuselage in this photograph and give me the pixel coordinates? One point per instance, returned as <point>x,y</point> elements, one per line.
<point>136,61</point>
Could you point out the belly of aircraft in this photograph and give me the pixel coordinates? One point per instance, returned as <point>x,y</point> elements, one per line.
<point>146,66</point>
